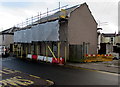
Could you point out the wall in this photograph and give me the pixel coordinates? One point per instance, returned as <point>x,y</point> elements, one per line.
<point>108,40</point>
<point>117,39</point>
<point>40,48</point>
<point>7,39</point>
<point>0,39</point>
<point>63,31</point>
<point>109,48</point>
<point>83,28</point>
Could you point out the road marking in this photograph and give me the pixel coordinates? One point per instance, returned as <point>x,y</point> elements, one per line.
<point>93,70</point>
<point>18,79</point>
<point>3,72</point>
<point>50,81</point>
<point>8,71</point>
<point>34,76</point>
<point>7,59</point>
<point>109,73</point>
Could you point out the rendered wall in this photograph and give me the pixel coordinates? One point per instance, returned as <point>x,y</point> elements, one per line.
<point>7,39</point>
<point>0,39</point>
<point>83,28</point>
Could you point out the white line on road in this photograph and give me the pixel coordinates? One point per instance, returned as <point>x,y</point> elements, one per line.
<point>109,73</point>
<point>6,59</point>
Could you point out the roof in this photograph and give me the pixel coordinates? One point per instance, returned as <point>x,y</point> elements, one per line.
<point>57,14</point>
<point>52,17</point>
<point>109,34</point>
<point>118,35</point>
<point>10,30</point>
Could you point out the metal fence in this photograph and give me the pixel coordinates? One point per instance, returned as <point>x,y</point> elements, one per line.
<point>77,52</point>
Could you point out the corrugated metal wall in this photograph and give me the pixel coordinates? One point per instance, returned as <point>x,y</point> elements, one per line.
<point>48,31</point>
<point>77,52</point>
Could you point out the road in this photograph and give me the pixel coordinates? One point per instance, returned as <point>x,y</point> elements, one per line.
<point>61,75</point>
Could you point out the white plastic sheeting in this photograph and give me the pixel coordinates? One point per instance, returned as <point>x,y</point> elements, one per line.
<point>44,58</point>
<point>29,56</point>
<point>48,31</point>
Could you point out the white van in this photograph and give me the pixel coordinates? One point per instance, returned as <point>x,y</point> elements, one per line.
<point>115,55</point>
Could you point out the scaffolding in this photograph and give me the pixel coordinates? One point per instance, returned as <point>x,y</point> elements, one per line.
<point>43,17</point>
<point>43,29</point>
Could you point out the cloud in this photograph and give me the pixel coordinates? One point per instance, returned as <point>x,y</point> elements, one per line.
<point>12,13</point>
<point>106,12</point>
<point>16,4</point>
<point>15,11</point>
<point>10,16</point>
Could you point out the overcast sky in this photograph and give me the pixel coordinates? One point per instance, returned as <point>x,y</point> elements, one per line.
<point>16,11</point>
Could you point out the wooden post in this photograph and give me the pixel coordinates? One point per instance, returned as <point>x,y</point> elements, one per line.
<point>52,52</point>
<point>17,50</point>
<point>13,48</point>
<point>31,48</point>
<point>40,17</point>
<point>46,53</point>
<point>37,48</point>
<point>65,53</point>
<point>26,50</point>
<point>40,48</point>
<point>59,50</point>
<point>21,50</point>
<point>59,9</point>
<point>32,20</point>
<point>47,14</point>
<point>83,50</point>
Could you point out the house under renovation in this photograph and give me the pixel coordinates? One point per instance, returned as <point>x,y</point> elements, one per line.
<point>69,34</point>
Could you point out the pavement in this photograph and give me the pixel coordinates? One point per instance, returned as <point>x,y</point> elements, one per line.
<point>108,66</point>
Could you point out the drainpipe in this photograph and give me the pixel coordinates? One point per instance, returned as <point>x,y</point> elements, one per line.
<point>46,53</point>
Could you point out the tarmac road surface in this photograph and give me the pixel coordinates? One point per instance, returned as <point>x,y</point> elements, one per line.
<point>14,78</point>
<point>61,75</point>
